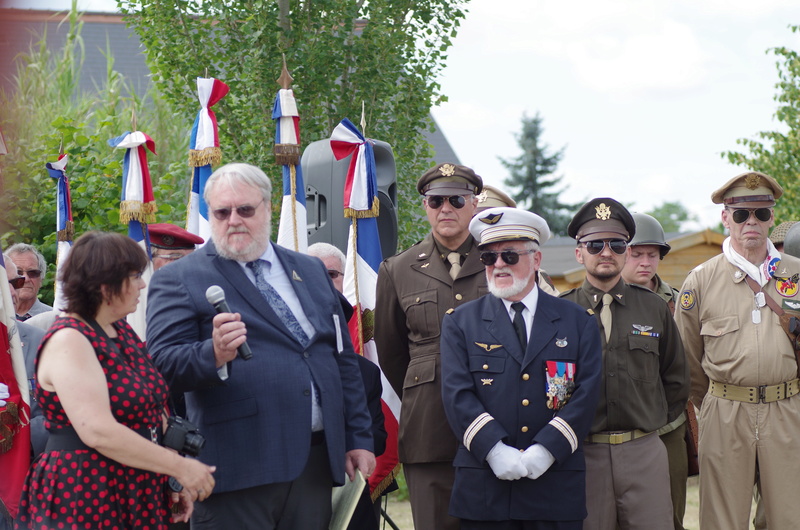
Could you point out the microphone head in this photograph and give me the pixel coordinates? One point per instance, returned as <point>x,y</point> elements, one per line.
<point>215,294</point>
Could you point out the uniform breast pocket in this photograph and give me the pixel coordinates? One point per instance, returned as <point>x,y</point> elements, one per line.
<point>422,315</point>
<point>643,359</point>
<point>486,364</point>
<point>719,337</point>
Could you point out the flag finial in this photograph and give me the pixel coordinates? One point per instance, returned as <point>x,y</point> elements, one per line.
<point>285,80</point>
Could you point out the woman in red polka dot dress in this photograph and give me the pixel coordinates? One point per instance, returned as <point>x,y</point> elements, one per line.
<point>104,405</point>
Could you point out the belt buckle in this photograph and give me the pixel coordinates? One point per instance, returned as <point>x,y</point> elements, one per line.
<point>762,394</point>
<point>617,438</point>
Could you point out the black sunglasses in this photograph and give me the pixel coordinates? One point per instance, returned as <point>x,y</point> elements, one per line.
<point>618,246</point>
<point>242,211</point>
<point>32,273</point>
<point>17,282</point>
<point>333,274</point>
<point>436,201</point>
<point>510,257</point>
<point>741,215</point>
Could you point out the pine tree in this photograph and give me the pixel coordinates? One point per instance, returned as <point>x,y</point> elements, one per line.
<point>531,180</point>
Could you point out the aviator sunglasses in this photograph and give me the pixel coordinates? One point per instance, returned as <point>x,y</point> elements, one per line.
<point>510,257</point>
<point>242,211</point>
<point>741,215</point>
<point>436,201</point>
<point>17,282</point>
<point>617,246</point>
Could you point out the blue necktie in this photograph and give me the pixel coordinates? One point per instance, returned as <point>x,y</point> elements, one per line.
<point>277,303</point>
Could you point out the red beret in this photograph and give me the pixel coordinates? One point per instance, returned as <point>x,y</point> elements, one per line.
<point>169,236</point>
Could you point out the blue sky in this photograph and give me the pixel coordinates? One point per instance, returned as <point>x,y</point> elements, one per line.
<point>644,94</point>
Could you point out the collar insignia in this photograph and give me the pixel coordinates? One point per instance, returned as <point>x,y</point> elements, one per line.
<point>619,296</point>
<point>561,343</point>
<point>487,382</point>
<point>738,274</point>
<point>425,265</point>
<point>422,255</point>
<point>488,347</point>
<point>603,212</point>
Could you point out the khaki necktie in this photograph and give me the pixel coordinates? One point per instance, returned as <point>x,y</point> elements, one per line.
<point>455,264</point>
<point>605,315</point>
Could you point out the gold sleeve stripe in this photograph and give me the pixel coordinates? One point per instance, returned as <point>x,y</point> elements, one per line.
<point>474,427</point>
<point>567,431</point>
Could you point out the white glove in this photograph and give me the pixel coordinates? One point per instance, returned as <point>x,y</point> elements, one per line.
<point>537,459</point>
<point>4,395</point>
<point>506,462</point>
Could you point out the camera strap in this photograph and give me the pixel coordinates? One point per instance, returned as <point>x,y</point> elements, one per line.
<point>785,318</point>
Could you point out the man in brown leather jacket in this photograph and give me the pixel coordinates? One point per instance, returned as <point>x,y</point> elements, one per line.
<point>415,290</point>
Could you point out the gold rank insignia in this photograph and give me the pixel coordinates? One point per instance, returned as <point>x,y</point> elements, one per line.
<point>424,266</point>
<point>487,382</point>
<point>447,170</point>
<point>488,347</point>
<point>491,219</point>
<point>603,211</point>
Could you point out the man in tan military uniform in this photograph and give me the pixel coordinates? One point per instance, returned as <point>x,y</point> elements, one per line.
<point>415,290</point>
<point>645,378</point>
<point>647,248</point>
<point>744,369</point>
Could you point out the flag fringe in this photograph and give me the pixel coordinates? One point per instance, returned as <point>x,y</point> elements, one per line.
<point>363,214</point>
<point>205,156</point>
<point>9,425</point>
<point>287,154</point>
<point>68,233</point>
<point>137,211</point>
<point>381,486</point>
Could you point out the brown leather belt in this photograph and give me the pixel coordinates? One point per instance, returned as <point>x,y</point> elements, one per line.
<point>755,394</point>
<point>615,438</point>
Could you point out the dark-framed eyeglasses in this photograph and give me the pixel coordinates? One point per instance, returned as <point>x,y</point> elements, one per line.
<point>30,273</point>
<point>17,282</point>
<point>741,215</point>
<point>436,201</point>
<point>510,257</point>
<point>244,212</point>
<point>617,246</point>
<point>333,274</point>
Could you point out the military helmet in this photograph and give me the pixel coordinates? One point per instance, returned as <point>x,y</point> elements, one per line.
<point>791,243</point>
<point>649,232</point>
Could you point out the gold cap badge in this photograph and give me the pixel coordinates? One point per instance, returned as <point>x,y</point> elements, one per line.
<point>603,212</point>
<point>447,170</point>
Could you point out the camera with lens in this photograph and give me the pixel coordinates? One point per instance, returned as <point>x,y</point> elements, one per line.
<point>183,436</point>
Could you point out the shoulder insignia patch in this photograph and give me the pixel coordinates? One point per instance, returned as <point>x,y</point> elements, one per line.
<point>687,299</point>
<point>787,287</point>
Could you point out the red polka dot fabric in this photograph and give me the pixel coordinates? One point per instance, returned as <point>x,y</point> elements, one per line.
<point>84,489</point>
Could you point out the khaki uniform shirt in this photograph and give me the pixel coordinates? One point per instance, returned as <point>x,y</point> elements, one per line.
<point>414,292</point>
<point>715,318</point>
<point>645,374</point>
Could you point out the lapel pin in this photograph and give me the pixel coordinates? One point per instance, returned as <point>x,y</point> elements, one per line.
<point>561,343</point>
<point>296,277</point>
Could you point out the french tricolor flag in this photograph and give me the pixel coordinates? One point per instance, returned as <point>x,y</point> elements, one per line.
<point>292,231</point>
<point>138,205</point>
<point>65,229</point>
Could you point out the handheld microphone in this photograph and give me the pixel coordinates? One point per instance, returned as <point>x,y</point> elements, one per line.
<point>216,297</point>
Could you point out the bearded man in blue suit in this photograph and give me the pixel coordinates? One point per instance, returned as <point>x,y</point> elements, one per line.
<point>520,382</point>
<point>286,425</point>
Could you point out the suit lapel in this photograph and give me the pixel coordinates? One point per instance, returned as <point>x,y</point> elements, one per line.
<point>300,286</point>
<point>544,328</point>
<point>500,326</point>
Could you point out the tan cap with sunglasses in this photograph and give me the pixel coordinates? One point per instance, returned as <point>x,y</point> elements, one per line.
<point>602,218</point>
<point>748,190</point>
<point>508,224</point>
<point>449,179</point>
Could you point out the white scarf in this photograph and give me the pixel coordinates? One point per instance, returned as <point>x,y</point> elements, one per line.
<point>761,273</point>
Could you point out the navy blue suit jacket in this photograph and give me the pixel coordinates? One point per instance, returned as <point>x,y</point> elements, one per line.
<point>493,391</point>
<point>31,337</point>
<point>257,423</point>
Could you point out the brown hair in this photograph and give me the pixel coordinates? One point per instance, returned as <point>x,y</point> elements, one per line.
<point>98,259</point>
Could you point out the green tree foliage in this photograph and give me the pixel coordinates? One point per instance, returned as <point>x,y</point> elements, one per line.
<point>672,215</point>
<point>534,187</point>
<point>46,113</point>
<point>384,53</point>
<point>778,153</point>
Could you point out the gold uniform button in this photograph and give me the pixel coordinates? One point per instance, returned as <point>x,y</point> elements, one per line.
<point>525,402</point>
<point>459,297</point>
<point>418,299</point>
<point>524,429</point>
<point>416,379</point>
<point>485,366</point>
<point>525,377</point>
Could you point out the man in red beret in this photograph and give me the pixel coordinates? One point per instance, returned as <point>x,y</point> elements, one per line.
<point>169,243</point>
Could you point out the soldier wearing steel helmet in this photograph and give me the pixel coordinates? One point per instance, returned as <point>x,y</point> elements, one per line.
<point>743,364</point>
<point>645,250</point>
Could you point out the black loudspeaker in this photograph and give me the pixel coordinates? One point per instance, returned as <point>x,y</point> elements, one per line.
<point>324,178</point>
